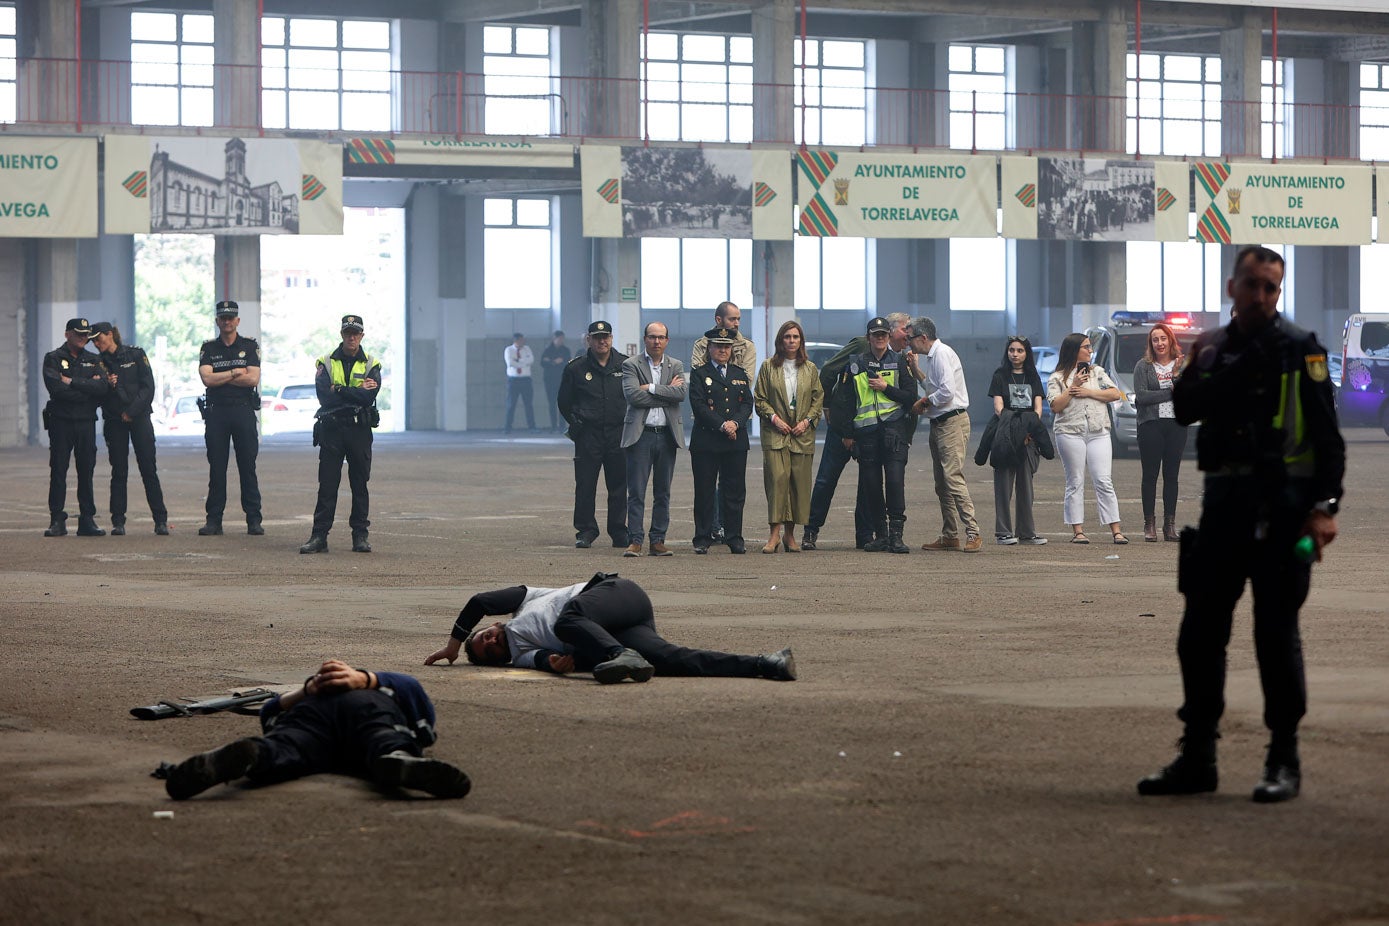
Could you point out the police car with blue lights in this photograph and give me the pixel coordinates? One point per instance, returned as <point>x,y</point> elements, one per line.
<point>1119,346</point>
<point>1362,396</point>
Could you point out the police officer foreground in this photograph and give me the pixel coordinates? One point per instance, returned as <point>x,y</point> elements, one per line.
<point>1274,460</point>
<point>125,422</point>
<point>591,401</point>
<point>348,381</point>
<point>76,385</point>
<point>229,366</point>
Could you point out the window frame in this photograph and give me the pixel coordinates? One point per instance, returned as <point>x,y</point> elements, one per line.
<point>180,92</point>
<point>527,259</point>
<point>278,77</point>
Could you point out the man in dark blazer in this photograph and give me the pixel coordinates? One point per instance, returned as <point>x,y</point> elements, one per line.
<point>721,399</point>
<point>654,386</point>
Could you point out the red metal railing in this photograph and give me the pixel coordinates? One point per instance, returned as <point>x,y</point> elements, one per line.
<point>87,95</point>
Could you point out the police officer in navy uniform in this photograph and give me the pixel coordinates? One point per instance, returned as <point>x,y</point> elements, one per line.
<point>125,422</point>
<point>348,382</point>
<point>1274,460</point>
<point>591,401</point>
<point>230,369</point>
<point>721,399</point>
<point>872,401</point>
<point>76,386</point>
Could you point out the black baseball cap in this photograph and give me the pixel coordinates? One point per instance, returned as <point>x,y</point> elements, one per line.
<point>879,324</point>
<point>101,328</point>
<point>80,325</point>
<point>228,309</point>
<point>600,328</point>
<point>352,323</point>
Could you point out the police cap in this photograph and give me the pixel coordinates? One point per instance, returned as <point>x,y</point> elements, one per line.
<point>80,326</point>
<point>878,324</point>
<point>352,323</point>
<point>600,328</point>
<point>228,309</point>
<point>721,335</point>
<point>101,328</point>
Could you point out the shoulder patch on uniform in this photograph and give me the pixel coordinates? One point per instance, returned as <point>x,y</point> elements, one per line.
<point>1317,368</point>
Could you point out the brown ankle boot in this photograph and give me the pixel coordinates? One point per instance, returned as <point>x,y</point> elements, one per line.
<point>1169,529</point>
<point>1150,530</point>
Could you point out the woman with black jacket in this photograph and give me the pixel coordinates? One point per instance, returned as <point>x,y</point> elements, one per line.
<point>1161,440</point>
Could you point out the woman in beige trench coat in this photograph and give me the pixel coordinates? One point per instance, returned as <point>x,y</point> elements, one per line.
<point>788,398</point>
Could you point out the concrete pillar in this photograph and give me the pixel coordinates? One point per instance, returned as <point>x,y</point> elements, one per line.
<point>1241,53</point>
<point>236,108</point>
<point>774,29</point>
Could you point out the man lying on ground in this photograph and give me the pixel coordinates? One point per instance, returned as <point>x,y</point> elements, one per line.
<point>374,725</point>
<point>604,626</point>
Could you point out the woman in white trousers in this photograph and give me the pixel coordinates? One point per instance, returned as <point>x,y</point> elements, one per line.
<point>1079,393</point>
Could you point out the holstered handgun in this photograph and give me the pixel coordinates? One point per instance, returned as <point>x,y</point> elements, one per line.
<point>202,407</point>
<point>47,419</point>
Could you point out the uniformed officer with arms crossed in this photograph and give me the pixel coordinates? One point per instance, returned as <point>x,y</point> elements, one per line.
<point>76,386</point>
<point>873,401</point>
<point>722,403</point>
<point>348,381</point>
<point>1274,460</point>
<point>230,369</point>
<point>591,401</point>
<point>125,417</point>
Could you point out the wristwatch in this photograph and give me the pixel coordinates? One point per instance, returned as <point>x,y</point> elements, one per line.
<point>1328,506</point>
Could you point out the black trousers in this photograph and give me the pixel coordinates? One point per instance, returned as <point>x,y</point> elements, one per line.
<point>720,491</point>
<point>333,733</point>
<point>1228,551</point>
<point>833,458</point>
<point>518,388</point>
<point>882,475</point>
<point>120,436</point>
<point>338,442</point>
<point>616,613</point>
<point>229,425</point>
<point>71,440</point>
<point>594,451</point>
<point>1160,446</point>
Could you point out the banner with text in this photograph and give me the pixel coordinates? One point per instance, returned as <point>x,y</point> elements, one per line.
<point>707,192</point>
<point>48,188</point>
<point>459,152</point>
<point>1258,203</point>
<point>222,186</point>
<point>857,195</point>
<point>1094,199</point>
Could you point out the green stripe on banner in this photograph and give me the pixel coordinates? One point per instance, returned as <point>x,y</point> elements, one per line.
<point>762,194</point>
<point>818,164</point>
<point>1027,194</point>
<point>313,187</point>
<point>609,191</point>
<point>1165,199</point>
<point>371,151</point>
<point>818,221</point>
<point>1213,227</point>
<point>137,183</point>
<point>1212,176</point>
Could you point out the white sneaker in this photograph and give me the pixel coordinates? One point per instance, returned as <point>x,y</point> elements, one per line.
<point>1006,541</point>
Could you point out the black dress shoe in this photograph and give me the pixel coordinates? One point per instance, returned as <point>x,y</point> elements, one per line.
<point>59,528</point>
<point>316,544</point>
<point>162,528</point>
<point>196,775</point>
<point>738,547</point>
<point>399,769</point>
<point>779,666</point>
<point>701,550</point>
<point>89,529</point>
<point>255,529</point>
<point>626,664</point>
<point>360,543</point>
<point>117,530</point>
<point>210,529</point>
<point>1281,782</point>
<point>809,537</point>
<point>583,543</point>
<point>1192,772</point>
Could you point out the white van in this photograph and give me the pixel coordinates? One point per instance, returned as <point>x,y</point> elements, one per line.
<point>1363,399</point>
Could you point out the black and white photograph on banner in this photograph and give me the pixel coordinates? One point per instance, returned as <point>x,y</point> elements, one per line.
<point>1095,199</point>
<point>686,193</point>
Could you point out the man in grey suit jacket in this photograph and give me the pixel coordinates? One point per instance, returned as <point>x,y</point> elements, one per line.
<point>654,386</point>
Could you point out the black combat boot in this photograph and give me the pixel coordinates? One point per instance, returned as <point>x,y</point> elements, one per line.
<point>86,527</point>
<point>879,542</point>
<point>779,666</point>
<point>808,538</point>
<point>1192,772</point>
<point>212,528</point>
<point>196,775</point>
<point>1282,779</point>
<point>58,528</point>
<point>360,544</point>
<point>894,538</point>
<point>316,544</point>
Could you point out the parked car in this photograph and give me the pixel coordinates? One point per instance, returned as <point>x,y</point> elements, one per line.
<point>1045,358</point>
<point>820,351</point>
<point>291,410</point>
<point>1118,347</point>
<point>182,418</point>
<point>1362,399</point>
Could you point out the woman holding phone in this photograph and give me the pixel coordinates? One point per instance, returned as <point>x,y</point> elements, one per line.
<point>1079,393</point>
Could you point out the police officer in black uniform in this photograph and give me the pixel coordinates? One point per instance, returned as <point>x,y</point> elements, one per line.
<point>1274,460</point>
<point>230,369</point>
<point>348,382</point>
<point>721,399</point>
<point>872,401</point>
<point>125,421</point>
<point>591,401</point>
<point>76,386</point>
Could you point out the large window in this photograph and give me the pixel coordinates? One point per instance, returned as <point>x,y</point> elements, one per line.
<point>832,273</point>
<point>326,74</point>
<point>171,69</point>
<point>1172,276</point>
<point>979,83</point>
<point>1175,107</point>
<point>695,273</point>
<point>8,94</point>
<point>834,101</point>
<point>1374,112</point>
<point>516,249</point>
<point>516,67</point>
<point>1272,77</point>
<point>698,87</point>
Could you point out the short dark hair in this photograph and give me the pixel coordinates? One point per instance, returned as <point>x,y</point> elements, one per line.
<point>1257,253</point>
<point>516,334</point>
<point>558,333</point>
<point>721,310</point>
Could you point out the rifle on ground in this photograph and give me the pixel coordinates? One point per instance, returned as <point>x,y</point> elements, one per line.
<point>238,701</point>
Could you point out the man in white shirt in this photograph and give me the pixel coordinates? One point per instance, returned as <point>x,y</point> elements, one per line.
<point>519,359</point>
<point>946,406</point>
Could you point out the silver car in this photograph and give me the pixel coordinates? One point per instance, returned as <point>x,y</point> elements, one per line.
<point>1118,348</point>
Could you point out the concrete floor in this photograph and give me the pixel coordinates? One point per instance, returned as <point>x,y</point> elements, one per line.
<point>961,747</point>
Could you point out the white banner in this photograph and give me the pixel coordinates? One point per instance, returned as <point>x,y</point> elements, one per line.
<point>1094,199</point>
<point>450,151</point>
<point>48,187</point>
<point>1172,200</point>
<point>222,186</point>
<point>1018,181</point>
<point>852,194</point>
<point>1260,203</point>
<point>600,173</point>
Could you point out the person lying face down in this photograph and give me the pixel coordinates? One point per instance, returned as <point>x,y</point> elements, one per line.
<point>605,626</point>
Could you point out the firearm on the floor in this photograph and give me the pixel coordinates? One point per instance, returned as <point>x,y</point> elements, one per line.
<point>236,701</point>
